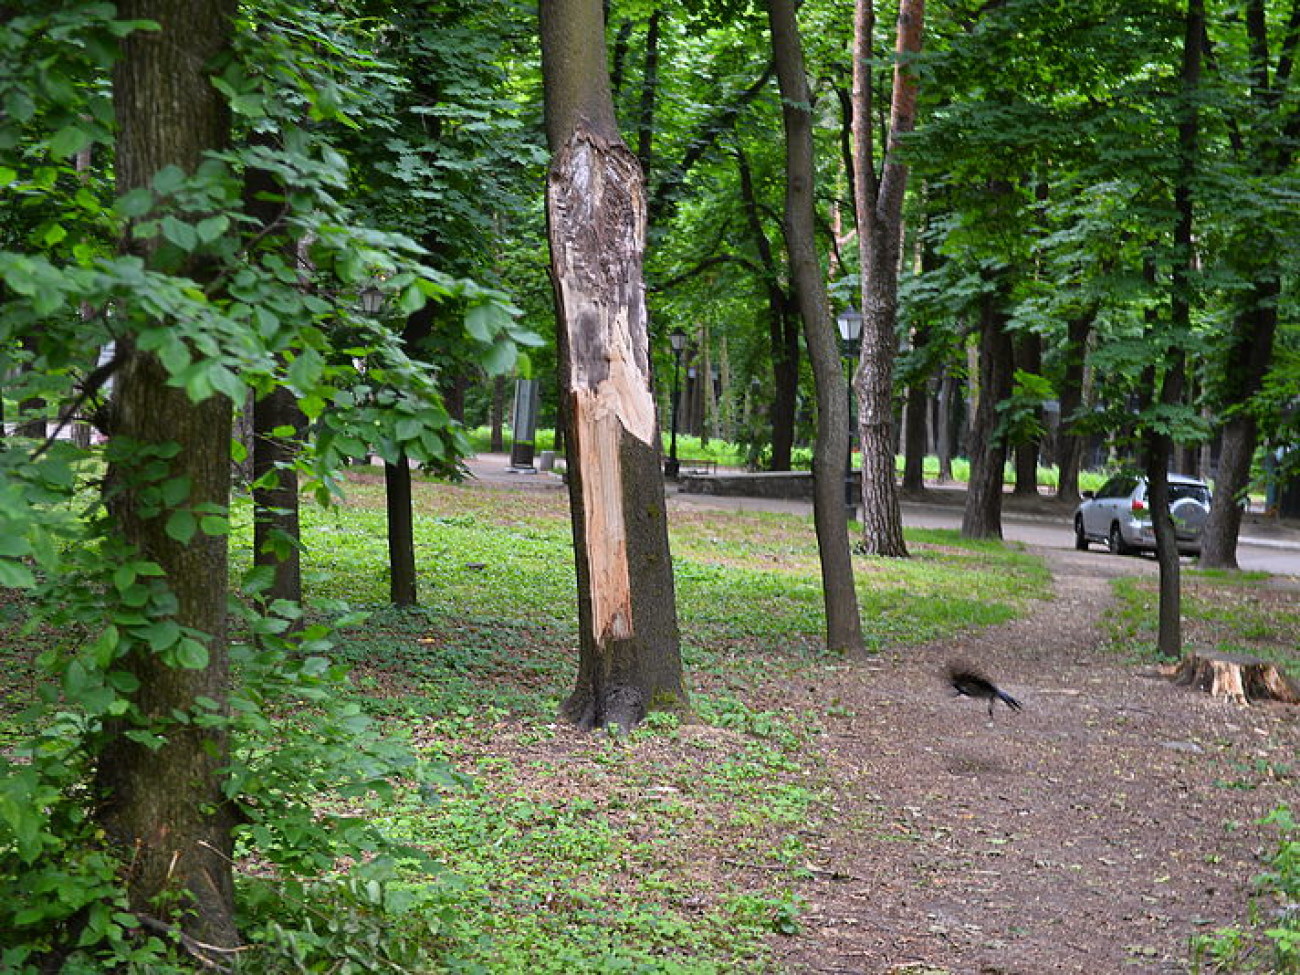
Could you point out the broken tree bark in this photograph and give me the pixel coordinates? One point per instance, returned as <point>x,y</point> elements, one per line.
<point>596,222</point>
<point>1236,677</point>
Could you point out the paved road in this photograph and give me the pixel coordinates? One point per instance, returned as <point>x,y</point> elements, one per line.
<point>1279,556</point>
<point>1253,554</point>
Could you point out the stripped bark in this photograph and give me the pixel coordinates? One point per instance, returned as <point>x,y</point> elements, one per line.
<point>630,656</point>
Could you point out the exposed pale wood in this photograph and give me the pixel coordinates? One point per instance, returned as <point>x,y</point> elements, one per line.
<point>1236,677</point>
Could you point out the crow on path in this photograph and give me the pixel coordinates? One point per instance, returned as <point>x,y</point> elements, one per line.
<point>969,682</point>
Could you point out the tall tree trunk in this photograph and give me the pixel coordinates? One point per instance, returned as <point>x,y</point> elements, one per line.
<point>1248,364</point>
<point>1069,449</point>
<point>783,332</point>
<point>843,624</point>
<point>402,576</point>
<point>879,208</point>
<point>1029,357</point>
<point>982,516</point>
<point>915,437</point>
<point>630,657</point>
<point>164,807</point>
<point>1271,152</point>
<point>1158,441</point>
<point>496,415</point>
<point>943,410</point>
<point>276,536</point>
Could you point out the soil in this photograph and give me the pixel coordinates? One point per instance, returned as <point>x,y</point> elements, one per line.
<point>1095,831</point>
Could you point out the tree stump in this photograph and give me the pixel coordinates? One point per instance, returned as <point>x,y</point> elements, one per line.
<point>1236,677</point>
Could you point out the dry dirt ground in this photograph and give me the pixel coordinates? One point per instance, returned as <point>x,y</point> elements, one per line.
<point>1096,831</point>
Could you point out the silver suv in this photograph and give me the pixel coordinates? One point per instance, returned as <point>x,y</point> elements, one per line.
<point>1120,516</point>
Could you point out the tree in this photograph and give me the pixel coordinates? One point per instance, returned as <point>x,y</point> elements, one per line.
<point>161,798</point>
<point>1163,421</point>
<point>879,208</point>
<point>630,657</point>
<point>1262,135</point>
<point>843,624</point>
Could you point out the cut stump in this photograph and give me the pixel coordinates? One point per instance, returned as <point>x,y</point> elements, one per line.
<point>1236,677</point>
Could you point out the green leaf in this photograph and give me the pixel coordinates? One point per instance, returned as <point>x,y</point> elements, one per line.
<point>212,228</point>
<point>15,575</point>
<point>180,233</point>
<point>481,322</point>
<point>168,180</point>
<point>69,141</point>
<point>191,654</point>
<point>181,526</point>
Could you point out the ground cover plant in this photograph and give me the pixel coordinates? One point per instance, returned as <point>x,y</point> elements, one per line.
<point>807,814</point>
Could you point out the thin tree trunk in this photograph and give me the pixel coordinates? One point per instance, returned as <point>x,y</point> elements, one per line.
<point>1029,357</point>
<point>915,438</point>
<point>843,625</point>
<point>630,659</point>
<point>165,807</point>
<point>1070,444</point>
<point>1158,442</point>
<point>982,516</point>
<point>276,536</point>
<point>783,332</point>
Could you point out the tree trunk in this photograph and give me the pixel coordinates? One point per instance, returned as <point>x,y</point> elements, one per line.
<point>1248,364</point>
<point>1157,440</point>
<point>496,420</point>
<point>402,586</point>
<point>915,438</point>
<point>982,516</point>
<point>843,625</point>
<point>276,537</point>
<point>164,808</point>
<point>943,410</point>
<point>783,333</point>
<point>1069,445</point>
<point>402,590</point>
<point>879,208</point>
<point>630,658</point>
<point>1029,358</point>
<point>1271,152</point>
<point>1239,678</point>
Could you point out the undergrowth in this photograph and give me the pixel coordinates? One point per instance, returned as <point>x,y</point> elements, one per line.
<point>534,846</point>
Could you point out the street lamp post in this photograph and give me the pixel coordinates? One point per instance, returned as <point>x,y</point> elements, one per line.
<point>677,340</point>
<point>849,322</point>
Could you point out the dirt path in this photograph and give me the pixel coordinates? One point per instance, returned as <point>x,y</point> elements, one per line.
<point>1096,831</point>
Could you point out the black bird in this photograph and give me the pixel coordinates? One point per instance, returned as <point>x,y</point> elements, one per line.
<point>969,682</point>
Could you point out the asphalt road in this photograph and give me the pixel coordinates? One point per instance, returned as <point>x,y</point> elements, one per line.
<point>1279,557</point>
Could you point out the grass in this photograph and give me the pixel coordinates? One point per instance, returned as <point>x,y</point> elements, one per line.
<point>1231,612</point>
<point>674,849</point>
<point>571,852</point>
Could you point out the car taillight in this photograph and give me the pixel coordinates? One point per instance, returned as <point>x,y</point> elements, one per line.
<point>1139,505</point>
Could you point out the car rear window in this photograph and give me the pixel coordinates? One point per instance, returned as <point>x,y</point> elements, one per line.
<point>1197,492</point>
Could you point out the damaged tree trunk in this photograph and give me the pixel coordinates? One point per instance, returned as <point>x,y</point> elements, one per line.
<point>1236,677</point>
<point>596,222</point>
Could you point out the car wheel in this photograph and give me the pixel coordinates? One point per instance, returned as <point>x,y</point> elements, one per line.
<point>1080,539</point>
<point>1116,543</point>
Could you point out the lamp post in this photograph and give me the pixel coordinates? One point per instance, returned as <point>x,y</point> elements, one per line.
<point>677,340</point>
<point>849,322</point>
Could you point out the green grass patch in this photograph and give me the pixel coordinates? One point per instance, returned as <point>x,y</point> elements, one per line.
<point>1228,612</point>
<point>674,849</point>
